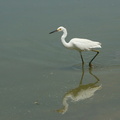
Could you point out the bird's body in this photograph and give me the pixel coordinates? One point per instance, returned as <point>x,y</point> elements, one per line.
<point>82,44</point>
<point>79,44</point>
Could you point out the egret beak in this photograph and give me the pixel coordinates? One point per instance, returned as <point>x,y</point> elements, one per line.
<point>53,31</point>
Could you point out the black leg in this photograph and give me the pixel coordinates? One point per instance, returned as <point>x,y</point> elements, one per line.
<point>90,65</point>
<point>82,58</point>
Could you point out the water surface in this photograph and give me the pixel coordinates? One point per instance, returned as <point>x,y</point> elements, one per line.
<point>37,72</point>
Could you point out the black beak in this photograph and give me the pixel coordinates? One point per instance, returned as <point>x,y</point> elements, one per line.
<point>53,31</point>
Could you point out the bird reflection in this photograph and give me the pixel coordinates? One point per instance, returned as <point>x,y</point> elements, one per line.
<point>82,92</point>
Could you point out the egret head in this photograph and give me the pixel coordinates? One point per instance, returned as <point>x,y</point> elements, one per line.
<point>58,29</point>
<point>61,28</point>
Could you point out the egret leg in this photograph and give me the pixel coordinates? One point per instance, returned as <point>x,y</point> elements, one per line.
<point>90,65</point>
<point>81,58</point>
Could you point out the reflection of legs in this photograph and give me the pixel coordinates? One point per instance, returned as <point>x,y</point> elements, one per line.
<point>82,74</point>
<point>90,65</point>
<point>81,57</point>
<point>90,71</point>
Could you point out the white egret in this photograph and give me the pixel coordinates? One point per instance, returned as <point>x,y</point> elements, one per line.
<point>79,44</point>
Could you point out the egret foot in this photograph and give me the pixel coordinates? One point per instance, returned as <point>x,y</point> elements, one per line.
<point>90,65</point>
<point>82,63</point>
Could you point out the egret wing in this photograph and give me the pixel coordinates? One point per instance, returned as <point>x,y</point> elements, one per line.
<point>84,44</point>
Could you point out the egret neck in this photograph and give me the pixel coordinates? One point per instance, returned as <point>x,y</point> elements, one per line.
<point>67,45</point>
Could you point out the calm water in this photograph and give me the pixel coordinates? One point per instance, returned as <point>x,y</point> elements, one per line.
<point>42,80</point>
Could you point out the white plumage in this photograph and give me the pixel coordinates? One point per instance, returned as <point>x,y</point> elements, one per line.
<point>79,44</point>
<point>82,44</point>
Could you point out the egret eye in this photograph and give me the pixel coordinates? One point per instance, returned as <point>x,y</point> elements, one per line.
<point>60,29</point>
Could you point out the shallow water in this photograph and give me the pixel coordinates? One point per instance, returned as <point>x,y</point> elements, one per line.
<point>37,74</point>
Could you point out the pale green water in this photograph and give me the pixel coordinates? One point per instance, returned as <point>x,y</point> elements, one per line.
<point>36,68</point>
